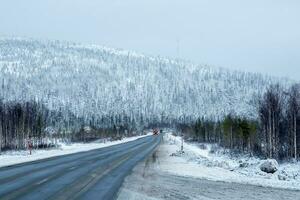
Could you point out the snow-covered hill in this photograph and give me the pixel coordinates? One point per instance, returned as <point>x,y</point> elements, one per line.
<point>97,81</point>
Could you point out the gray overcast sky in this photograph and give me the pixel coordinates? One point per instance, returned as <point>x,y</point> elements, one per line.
<point>253,35</point>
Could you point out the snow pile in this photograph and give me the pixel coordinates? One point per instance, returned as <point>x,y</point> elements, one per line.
<point>269,166</point>
<point>204,161</point>
<point>15,157</point>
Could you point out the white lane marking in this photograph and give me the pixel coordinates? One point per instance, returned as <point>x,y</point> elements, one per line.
<point>72,168</point>
<point>42,181</point>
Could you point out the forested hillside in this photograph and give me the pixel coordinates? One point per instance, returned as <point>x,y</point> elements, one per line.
<point>97,81</point>
<point>73,85</point>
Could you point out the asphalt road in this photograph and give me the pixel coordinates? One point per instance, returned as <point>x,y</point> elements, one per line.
<point>149,182</point>
<point>165,186</point>
<point>96,174</point>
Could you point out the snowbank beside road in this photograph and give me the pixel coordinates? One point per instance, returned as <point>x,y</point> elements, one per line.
<point>16,157</point>
<point>201,163</point>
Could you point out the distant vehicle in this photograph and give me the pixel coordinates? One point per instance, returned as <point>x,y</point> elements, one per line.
<point>155,132</point>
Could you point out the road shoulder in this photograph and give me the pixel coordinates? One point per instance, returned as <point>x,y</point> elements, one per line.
<point>150,181</point>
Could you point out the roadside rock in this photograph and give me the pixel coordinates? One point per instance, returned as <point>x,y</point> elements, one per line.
<point>178,154</point>
<point>269,166</point>
<point>244,165</point>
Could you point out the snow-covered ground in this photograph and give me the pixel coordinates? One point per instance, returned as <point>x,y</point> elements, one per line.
<point>16,157</point>
<point>201,162</point>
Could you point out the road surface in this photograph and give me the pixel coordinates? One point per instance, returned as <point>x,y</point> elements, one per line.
<point>148,182</point>
<point>164,186</point>
<point>96,174</point>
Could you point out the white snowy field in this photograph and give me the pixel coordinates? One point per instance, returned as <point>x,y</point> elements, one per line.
<point>202,163</point>
<point>16,157</point>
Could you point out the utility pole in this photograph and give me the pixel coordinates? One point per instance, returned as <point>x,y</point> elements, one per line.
<point>118,134</point>
<point>181,142</point>
<point>295,137</point>
<point>0,135</point>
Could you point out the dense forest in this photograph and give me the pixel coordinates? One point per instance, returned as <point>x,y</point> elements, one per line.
<point>31,122</point>
<point>94,81</point>
<point>52,90</point>
<point>274,134</point>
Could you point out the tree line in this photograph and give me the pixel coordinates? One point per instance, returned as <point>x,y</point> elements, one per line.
<point>235,133</point>
<point>279,122</point>
<point>32,122</point>
<point>273,134</point>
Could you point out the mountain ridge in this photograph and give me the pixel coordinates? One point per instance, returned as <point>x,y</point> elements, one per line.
<point>92,81</point>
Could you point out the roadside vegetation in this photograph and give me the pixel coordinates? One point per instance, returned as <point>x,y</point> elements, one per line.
<point>32,123</point>
<point>273,134</point>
